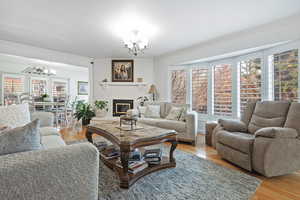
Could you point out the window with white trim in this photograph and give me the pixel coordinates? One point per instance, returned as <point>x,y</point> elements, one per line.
<point>285,75</point>
<point>222,90</point>
<point>38,87</point>
<point>250,81</point>
<point>178,86</point>
<point>13,86</point>
<point>199,89</point>
<point>59,89</point>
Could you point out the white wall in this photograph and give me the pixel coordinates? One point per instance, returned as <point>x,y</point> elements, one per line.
<point>15,65</point>
<point>12,48</point>
<point>143,68</point>
<point>281,30</point>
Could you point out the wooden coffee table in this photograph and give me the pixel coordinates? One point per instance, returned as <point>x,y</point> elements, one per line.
<point>130,140</point>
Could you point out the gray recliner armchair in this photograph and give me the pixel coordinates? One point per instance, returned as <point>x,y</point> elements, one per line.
<point>265,140</point>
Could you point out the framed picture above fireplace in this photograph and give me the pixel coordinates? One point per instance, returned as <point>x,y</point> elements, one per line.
<point>122,71</point>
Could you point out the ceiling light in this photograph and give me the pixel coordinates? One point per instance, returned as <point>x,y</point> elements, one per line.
<point>41,71</point>
<point>136,42</point>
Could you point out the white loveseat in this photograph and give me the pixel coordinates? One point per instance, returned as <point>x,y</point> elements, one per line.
<point>57,171</point>
<point>186,129</point>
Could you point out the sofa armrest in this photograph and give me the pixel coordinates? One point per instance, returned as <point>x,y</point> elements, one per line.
<point>46,118</point>
<point>275,157</point>
<point>192,124</point>
<point>68,172</point>
<point>209,128</point>
<point>276,132</point>
<point>233,125</point>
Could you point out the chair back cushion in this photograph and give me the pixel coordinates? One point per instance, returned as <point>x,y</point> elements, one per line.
<point>293,117</point>
<point>15,115</point>
<point>248,112</point>
<point>268,114</point>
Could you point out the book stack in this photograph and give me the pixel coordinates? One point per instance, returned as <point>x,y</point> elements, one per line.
<point>136,162</point>
<point>110,153</point>
<point>137,166</point>
<point>153,156</point>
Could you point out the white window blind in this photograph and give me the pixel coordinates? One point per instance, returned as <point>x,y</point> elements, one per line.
<point>199,90</point>
<point>250,81</point>
<point>59,89</point>
<point>286,75</point>
<point>178,86</point>
<point>38,87</point>
<point>13,87</point>
<point>222,90</point>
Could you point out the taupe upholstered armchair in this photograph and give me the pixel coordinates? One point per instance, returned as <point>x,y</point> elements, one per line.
<point>265,140</point>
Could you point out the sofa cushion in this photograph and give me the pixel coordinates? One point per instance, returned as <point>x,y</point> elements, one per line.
<point>242,142</point>
<point>293,116</point>
<point>248,112</point>
<point>14,115</point>
<point>52,141</point>
<point>268,114</point>
<point>149,121</point>
<point>174,113</point>
<point>162,107</point>
<point>44,131</point>
<point>152,111</point>
<point>20,139</point>
<point>178,126</point>
<point>170,105</point>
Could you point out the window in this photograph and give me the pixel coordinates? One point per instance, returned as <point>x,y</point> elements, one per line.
<point>222,90</point>
<point>250,81</point>
<point>38,87</point>
<point>199,90</point>
<point>59,89</point>
<point>13,87</point>
<point>286,75</point>
<point>178,86</point>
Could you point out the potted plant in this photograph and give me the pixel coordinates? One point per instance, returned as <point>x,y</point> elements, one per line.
<point>84,112</point>
<point>142,100</point>
<point>45,97</point>
<point>101,108</point>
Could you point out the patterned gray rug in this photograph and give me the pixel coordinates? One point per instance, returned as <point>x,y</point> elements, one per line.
<point>194,178</point>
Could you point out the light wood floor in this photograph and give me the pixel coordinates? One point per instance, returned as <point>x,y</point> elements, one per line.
<point>278,188</point>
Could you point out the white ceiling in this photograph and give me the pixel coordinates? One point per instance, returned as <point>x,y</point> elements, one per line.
<point>90,27</point>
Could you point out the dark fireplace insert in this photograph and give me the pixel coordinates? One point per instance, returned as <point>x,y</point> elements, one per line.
<point>120,106</point>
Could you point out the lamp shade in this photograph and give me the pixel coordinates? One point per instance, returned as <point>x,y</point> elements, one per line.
<point>152,89</point>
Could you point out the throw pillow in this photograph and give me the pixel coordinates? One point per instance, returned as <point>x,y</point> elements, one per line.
<point>25,138</point>
<point>183,115</point>
<point>174,113</point>
<point>14,115</point>
<point>152,111</point>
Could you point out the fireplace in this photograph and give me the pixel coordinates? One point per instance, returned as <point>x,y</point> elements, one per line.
<point>120,106</point>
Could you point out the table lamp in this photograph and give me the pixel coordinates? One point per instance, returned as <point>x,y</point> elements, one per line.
<point>152,91</point>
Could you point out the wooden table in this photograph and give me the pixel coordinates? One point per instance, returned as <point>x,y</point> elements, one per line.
<point>127,141</point>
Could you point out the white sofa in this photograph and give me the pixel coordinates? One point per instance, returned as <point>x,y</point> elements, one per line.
<point>187,129</point>
<point>57,171</point>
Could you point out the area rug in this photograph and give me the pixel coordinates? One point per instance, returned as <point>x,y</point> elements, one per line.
<point>193,178</point>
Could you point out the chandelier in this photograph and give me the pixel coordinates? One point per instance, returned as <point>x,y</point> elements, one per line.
<point>135,42</point>
<point>41,71</point>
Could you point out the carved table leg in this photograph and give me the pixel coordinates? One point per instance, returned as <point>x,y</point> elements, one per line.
<point>172,149</point>
<point>89,136</point>
<point>124,178</point>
